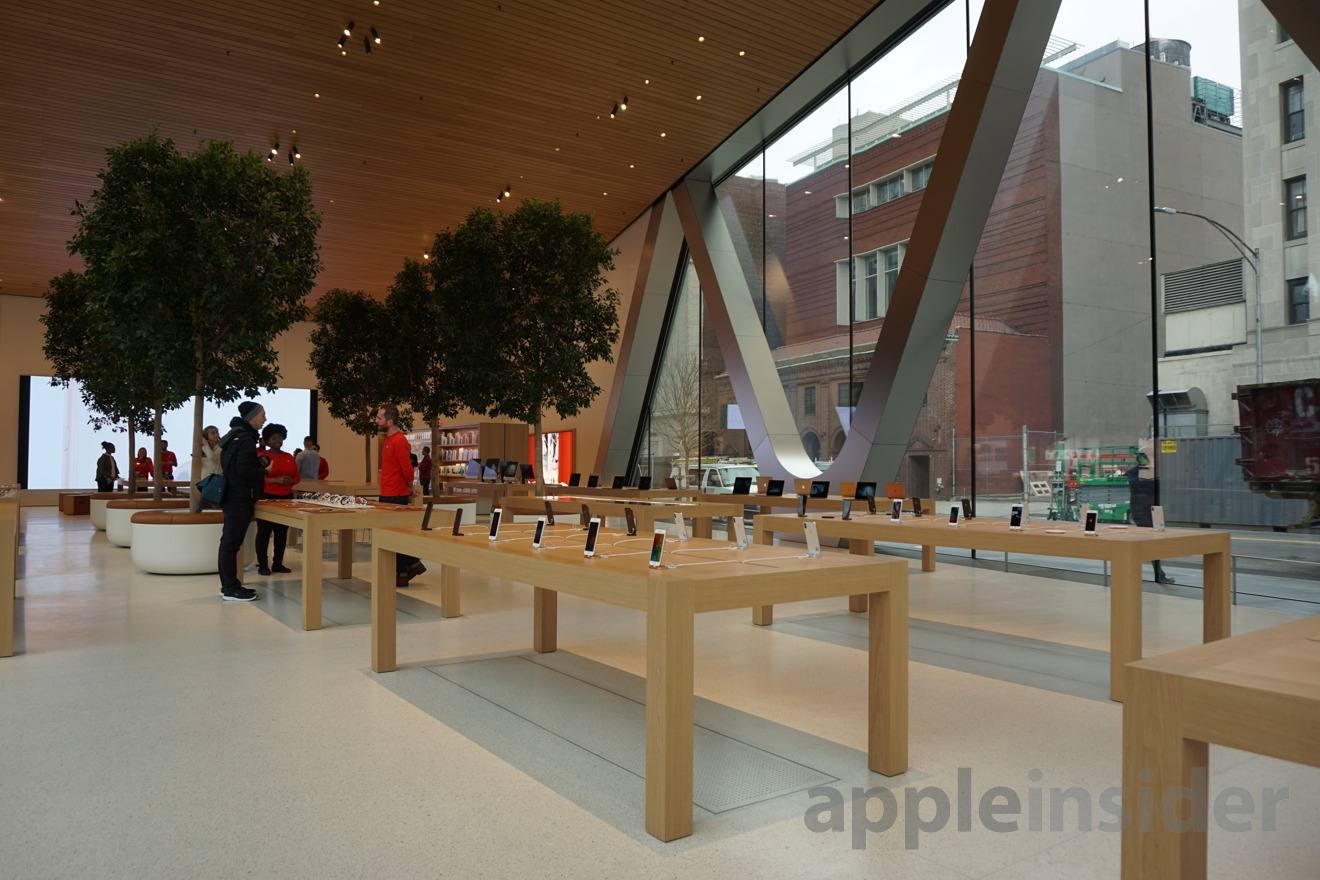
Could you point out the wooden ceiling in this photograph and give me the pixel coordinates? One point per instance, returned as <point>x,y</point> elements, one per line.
<point>458,100</point>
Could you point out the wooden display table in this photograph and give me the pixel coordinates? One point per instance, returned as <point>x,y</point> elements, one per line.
<point>339,487</point>
<point>1258,692</point>
<point>488,494</point>
<point>670,598</point>
<point>647,512</point>
<point>10,518</point>
<point>316,520</point>
<point>1125,549</point>
<point>598,492</point>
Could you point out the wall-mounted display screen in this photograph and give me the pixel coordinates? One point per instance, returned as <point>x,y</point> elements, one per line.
<point>556,455</point>
<point>59,449</point>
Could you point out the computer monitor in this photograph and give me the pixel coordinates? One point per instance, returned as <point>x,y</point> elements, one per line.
<point>593,480</point>
<point>528,473</point>
<point>671,483</point>
<point>775,489</point>
<point>617,482</point>
<point>473,469</point>
<point>865,490</point>
<point>574,479</point>
<point>492,470</point>
<point>509,470</point>
<point>742,485</point>
<point>820,488</point>
<point>643,484</point>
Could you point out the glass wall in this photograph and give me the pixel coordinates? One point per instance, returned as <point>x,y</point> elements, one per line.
<point>1111,308</point>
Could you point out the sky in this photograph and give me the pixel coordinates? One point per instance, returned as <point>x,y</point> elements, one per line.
<point>937,52</point>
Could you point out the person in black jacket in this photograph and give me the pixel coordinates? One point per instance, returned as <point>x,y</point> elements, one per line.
<point>245,480</point>
<point>1141,483</point>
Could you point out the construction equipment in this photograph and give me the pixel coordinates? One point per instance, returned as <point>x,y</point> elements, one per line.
<point>1094,475</point>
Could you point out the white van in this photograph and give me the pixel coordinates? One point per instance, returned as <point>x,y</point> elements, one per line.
<point>715,477</point>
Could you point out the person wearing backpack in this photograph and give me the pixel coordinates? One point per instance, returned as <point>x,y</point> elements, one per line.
<point>245,480</point>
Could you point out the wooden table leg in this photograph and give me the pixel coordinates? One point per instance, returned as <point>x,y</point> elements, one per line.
<point>762,615</point>
<point>927,557</point>
<point>859,547</point>
<point>703,526</point>
<point>449,591</point>
<point>311,579</point>
<point>887,679</point>
<point>1159,840</point>
<point>1124,619</point>
<point>545,616</point>
<point>669,710</point>
<point>1217,595</point>
<point>384,601</point>
<point>346,553</point>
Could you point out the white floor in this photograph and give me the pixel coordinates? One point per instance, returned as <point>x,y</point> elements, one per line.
<point>151,731</point>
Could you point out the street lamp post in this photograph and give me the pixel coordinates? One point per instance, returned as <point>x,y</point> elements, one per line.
<point>1248,253</point>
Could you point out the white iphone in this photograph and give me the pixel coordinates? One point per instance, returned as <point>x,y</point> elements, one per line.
<point>657,547</point>
<point>539,534</point>
<point>813,539</point>
<point>680,527</point>
<point>593,532</point>
<point>1091,525</point>
<point>495,516</point>
<point>1157,518</point>
<point>896,510</point>
<point>737,531</point>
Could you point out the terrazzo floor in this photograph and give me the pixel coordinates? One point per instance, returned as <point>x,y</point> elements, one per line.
<point>149,730</point>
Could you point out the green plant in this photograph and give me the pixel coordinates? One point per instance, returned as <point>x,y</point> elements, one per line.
<point>197,263</point>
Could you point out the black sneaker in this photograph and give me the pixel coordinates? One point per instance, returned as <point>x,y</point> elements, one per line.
<point>238,594</point>
<point>279,568</point>
<point>263,568</point>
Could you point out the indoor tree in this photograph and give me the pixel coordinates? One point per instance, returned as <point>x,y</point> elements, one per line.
<point>525,295</point>
<point>199,261</point>
<point>115,386</point>
<point>353,347</point>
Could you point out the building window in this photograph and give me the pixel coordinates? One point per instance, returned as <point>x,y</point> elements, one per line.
<point>867,278</point>
<point>1294,207</point>
<point>845,398</point>
<point>888,190</point>
<point>892,259</point>
<point>861,200</point>
<point>1294,115</point>
<point>921,175</point>
<point>809,400</point>
<point>1299,300</point>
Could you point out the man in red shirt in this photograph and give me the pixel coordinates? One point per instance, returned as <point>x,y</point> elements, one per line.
<point>168,461</point>
<point>424,470</point>
<point>396,479</point>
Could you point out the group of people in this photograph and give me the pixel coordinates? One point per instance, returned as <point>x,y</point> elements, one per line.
<point>255,466</point>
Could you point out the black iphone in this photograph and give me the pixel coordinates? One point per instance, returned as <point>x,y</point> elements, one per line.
<point>458,518</point>
<point>802,505</point>
<point>632,520</point>
<point>549,514</point>
<point>426,518</point>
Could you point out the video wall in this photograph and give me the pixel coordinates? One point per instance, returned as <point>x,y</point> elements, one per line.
<point>58,449</point>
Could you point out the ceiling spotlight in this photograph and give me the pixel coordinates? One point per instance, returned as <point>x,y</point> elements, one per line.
<point>615,111</point>
<point>275,149</point>
<point>623,105</point>
<point>291,157</point>
<point>296,153</point>
<point>366,44</point>
<point>348,30</point>
<point>342,41</point>
<point>506,190</point>
<point>375,36</point>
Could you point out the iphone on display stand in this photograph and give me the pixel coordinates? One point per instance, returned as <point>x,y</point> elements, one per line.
<point>426,519</point>
<point>802,505</point>
<point>916,506</point>
<point>540,533</point>
<point>458,520</point>
<point>813,539</point>
<point>631,520</point>
<point>593,532</point>
<point>1082,512</point>
<point>680,527</point>
<point>870,504</point>
<point>967,508</point>
<point>657,547</point>
<point>495,516</point>
<point>847,508</point>
<point>586,516</point>
<point>1157,518</point>
<point>1091,517</point>
<point>896,510</point>
<point>549,514</point>
<point>953,515</point>
<point>738,532</point>
<point>1015,518</point>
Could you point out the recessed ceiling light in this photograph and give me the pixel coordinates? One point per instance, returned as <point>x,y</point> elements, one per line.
<point>701,39</point>
<point>698,97</point>
<point>630,166</point>
<point>317,95</point>
<point>646,82</point>
<point>662,134</point>
<point>808,192</point>
<point>740,54</point>
<point>604,193</point>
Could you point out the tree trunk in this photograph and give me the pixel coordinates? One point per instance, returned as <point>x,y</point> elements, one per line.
<point>537,457</point>
<point>366,457</point>
<point>157,482</point>
<point>132,456</point>
<point>435,456</point>
<point>195,471</point>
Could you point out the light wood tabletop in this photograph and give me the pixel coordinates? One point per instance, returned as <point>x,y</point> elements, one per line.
<point>1125,549</point>
<point>647,511</point>
<point>315,520</point>
<point>1258,692</point>
<point>707,576</point>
